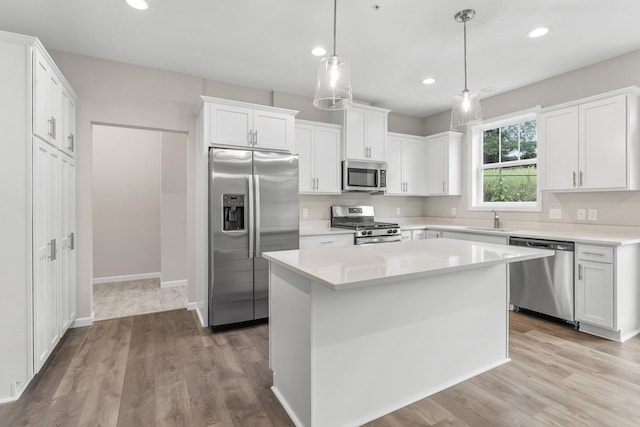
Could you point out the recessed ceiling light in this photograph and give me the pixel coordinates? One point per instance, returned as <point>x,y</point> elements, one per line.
<point>538,32</point>
<point>318,51</point>
<point>138,4</point>
<point>429,81</point>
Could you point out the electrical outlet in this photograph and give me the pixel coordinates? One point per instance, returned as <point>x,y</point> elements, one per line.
<point>555,214</point>
<point>397,211</point>
<point>454,211</point>
<point>592,214</point>
<point>305,212</point>
<point>581,214</point>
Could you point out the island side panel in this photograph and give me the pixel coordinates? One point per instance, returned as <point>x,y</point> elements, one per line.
<point>290,342</point>
<point>379,348</point>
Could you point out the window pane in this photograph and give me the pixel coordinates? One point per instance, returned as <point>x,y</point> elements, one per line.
<point>490,142</point>
<point>528,140</point>
<point>515,184</point>
<point>509,143</point>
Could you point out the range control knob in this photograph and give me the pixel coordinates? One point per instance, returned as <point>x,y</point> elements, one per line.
<point>369,232</point>
<point>389,231</point>
<point>395,230</point>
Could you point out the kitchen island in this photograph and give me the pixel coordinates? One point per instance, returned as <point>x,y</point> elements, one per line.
<point>360,331</point>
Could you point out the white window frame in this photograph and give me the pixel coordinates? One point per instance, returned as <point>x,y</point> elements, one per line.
<point>476,166</point>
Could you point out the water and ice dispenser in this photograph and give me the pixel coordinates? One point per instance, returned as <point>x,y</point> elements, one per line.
<point>233,212</point>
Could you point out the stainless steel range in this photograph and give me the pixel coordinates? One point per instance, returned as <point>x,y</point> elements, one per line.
<point>361,219</point>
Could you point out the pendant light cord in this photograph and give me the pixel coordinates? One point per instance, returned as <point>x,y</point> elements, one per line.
<point>464,23</point>
<point>335,6</point>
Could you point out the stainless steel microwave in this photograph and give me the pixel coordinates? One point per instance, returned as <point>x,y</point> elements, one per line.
<point>370,177</point>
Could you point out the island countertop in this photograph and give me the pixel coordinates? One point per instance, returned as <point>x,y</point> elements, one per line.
<point>364,265</point>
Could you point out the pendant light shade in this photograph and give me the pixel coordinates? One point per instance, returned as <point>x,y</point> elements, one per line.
<point>466,108</point>
<point>333,84</point>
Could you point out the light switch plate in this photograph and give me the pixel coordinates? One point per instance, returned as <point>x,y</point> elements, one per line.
<point>592,214</point>
<point>581,214</point>
<point>397,211</point>
<point>454,211</point>
<point>555,213</point>
<point>305,212</point>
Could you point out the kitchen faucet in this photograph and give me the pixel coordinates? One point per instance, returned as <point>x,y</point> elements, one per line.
<point>496,219</point>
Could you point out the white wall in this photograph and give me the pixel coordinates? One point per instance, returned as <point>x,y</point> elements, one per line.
<point>173,211</point>
<point>126,201</point>
<point>614,208</point>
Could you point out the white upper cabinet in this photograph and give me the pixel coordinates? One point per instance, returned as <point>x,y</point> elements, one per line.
<point>364,132</point>
<point>239,124</point>
<point>592,145</point>
<point>404,157</point>
<point>318,147</point>
<point>444,164</point>
<point>68,123</point>
<point>46,100</point>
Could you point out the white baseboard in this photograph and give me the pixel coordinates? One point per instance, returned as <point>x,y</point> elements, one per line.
<point>98,280</point>
<point>79,322</point>
<point>173,283</point>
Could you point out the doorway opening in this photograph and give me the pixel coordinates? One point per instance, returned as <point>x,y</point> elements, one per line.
<point>139,220</point>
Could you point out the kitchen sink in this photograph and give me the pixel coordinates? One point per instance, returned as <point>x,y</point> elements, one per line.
<point>490,229</point>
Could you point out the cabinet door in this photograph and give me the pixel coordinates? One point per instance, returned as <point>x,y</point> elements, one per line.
<point>394,166</point>
<point>594,293</point>
<point>304,149</point>
<point>66,308</point>
<point>67,122</point>
<point>45,249</point>
<point>603,150</point>
<point>231,125</point>
<point>354,134</point>
<point>411,167</point>
<point>558,134</point>
<point>273,130</point>
<point>376,135</point>
<point>40,71</point>
<point>53,109</point>
<point>326,241</point>
<point>437,166</point>
<point>327,160</point>
<point>406,235</point>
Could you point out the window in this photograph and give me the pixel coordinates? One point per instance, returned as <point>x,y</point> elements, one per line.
<point>504,157</point>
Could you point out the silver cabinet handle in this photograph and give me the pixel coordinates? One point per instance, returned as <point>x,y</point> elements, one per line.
<point>581,183</point>
<point>257,217</point>
<point>71,142</point>
<point>251,215</point>
<point>255,137</point>
<point>250,137</point>
<point>72,241</point>
<point>579,271</point>
<point>443,186</point>
<point>327,242</point>
<point>574,178</point>
<point>593,253</point>
<point>317,184</point>
<point>53,250</point>
<point>52,127</point>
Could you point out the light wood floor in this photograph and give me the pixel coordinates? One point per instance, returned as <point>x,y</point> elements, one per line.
<point>133,297</point>
<point>162,369</point>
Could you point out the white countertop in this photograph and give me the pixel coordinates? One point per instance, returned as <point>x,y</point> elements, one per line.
<point>588,234</point>
<point>356,266</point>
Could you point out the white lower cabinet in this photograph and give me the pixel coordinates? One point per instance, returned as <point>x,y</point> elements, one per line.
<point>594,286</point>
<point>414,234</point>
<point>326,241</point>
<point>606,290</point>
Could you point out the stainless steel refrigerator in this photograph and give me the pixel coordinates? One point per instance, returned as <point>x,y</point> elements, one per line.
<point>253,208</point>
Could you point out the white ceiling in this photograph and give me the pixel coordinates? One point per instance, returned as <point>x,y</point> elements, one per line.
<point>266,44</point>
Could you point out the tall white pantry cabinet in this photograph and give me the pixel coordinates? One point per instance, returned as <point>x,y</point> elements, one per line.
<point>37,218</point>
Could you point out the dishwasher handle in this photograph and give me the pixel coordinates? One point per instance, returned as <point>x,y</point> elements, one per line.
<point>542,244</point>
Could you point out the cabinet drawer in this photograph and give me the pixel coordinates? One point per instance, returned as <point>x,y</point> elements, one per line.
<point>329,240</point>
<point>595,253</point>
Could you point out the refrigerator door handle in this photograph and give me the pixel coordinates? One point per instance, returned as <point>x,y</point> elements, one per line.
<point>257,215</point>
<point>251,218</point>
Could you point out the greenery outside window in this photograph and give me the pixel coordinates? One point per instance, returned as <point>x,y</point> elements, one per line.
<point>504,164</point>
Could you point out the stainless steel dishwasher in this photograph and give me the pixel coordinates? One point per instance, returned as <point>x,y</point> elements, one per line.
<point>544,285</point>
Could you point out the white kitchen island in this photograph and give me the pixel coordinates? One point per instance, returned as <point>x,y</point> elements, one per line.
<point>360,331</point>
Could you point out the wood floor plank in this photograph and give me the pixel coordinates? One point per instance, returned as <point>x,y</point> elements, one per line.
<point>166,369</point>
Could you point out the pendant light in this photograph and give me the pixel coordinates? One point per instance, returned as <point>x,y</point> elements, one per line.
<point>333,85</point>
<point>466,108</point>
